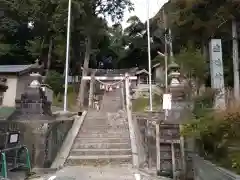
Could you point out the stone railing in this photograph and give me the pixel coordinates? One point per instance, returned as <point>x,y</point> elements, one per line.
<point>43,139</point>
<point>140,142</point>
<point>205,170</point>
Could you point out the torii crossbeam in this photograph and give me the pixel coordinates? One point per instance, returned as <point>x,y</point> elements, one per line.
<point>109,78</point>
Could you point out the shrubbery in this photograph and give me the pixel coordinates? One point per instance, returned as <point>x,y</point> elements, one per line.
<point>217,133</point>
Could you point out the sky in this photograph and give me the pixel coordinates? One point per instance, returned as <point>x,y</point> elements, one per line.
<point>141,11</point>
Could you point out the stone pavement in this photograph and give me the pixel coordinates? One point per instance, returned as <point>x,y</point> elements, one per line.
<point>95,173</point>
<point>100,173</point>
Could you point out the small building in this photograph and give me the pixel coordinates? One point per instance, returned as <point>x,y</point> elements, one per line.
<point>16,78</point>
<point>158,73</point>
<point>142,76</point>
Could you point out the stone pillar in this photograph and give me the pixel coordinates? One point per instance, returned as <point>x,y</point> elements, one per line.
<point>91,90</point>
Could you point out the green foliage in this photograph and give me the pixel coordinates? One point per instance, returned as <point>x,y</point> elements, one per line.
<point>50,20</point>
<point>202,112</point>
<point>203,103</point>
<point>216,132</point>
<point>192,63</point>
<point>56,81</point>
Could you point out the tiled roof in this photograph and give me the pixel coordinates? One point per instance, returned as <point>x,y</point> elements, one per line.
<point>14,68</point>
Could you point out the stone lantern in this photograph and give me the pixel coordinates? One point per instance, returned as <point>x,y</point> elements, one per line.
<point>177,89</point>
<point>173,75</point>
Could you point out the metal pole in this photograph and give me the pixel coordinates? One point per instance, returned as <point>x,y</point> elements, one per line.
<point>149,59</point>
<point>170,43</point>
<point>158,148</point>
<point>166,61</point>
<point>4,165</point>
<point>67,55</point>
<point>235,60</point>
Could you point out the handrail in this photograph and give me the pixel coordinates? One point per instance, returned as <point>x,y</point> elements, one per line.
<point>4,168</point>
<point>205,170</point>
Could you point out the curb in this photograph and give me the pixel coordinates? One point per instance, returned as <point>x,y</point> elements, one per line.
<point>151,176</point>
<point>66,147</point>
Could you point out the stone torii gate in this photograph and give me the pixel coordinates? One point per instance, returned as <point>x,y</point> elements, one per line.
<point>104,75</point>
<point>119,78</point>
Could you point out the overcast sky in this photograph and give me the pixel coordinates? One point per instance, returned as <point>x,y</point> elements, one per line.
<point>141,11</point>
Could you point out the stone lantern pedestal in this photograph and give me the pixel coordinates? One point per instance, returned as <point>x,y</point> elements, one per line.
<point>41,131</point>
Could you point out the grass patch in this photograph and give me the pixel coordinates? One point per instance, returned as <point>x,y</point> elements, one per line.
<point>140,104</point>
<point>71,100</point>
<point>157,100</point>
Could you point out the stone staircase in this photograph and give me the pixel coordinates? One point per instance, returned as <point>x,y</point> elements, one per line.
<point>104,136</point>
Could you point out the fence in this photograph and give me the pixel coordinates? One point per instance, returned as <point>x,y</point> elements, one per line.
<point>205,170</point>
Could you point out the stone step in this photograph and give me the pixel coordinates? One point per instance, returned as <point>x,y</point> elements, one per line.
<point>96,152</point>
<point>94,123</point>
<point>105,135</point>
<point>108,127</point>
<point>98,160</point>
<point>105,126</point>
<point>101,145</point>
<point>103,131</point>
<point>102,140</point>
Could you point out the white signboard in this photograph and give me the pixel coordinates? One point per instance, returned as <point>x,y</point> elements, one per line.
<point>167,101</point>
<point>13,138</point>
<point>217,76</point>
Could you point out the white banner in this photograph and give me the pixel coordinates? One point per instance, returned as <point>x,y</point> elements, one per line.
<point>216,68</point>
<point>167,101</point>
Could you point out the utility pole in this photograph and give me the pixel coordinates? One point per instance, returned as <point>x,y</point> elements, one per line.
<point>149,79</point>
<point>170,43</point>
<point>149,59</point>
<point>165,56</point>
<point>235,60</point>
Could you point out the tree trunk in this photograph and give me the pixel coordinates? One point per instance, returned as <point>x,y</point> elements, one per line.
<point>84,72</point>
<point>204,49</point>
<point>49,58</point>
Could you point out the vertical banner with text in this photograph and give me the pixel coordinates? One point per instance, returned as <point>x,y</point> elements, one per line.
<point>216,68</point>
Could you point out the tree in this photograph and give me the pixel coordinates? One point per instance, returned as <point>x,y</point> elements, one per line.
<point>193,65</point>
<point>93,24</point>
<point>4,48</point>
<point>55,81</point>
<point>118,41</point>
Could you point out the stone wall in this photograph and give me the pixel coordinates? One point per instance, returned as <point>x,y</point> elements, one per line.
<point>42,138</point>
<point>140,142</point>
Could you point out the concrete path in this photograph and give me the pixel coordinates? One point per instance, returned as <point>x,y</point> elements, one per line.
<point>95,173</point>
<point>100,173</point>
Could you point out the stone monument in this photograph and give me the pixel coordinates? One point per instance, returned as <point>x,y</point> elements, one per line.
<point>216,69</point>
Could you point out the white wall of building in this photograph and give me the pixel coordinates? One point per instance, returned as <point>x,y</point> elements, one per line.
<point>159,74</point>
<point>10,94</point>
